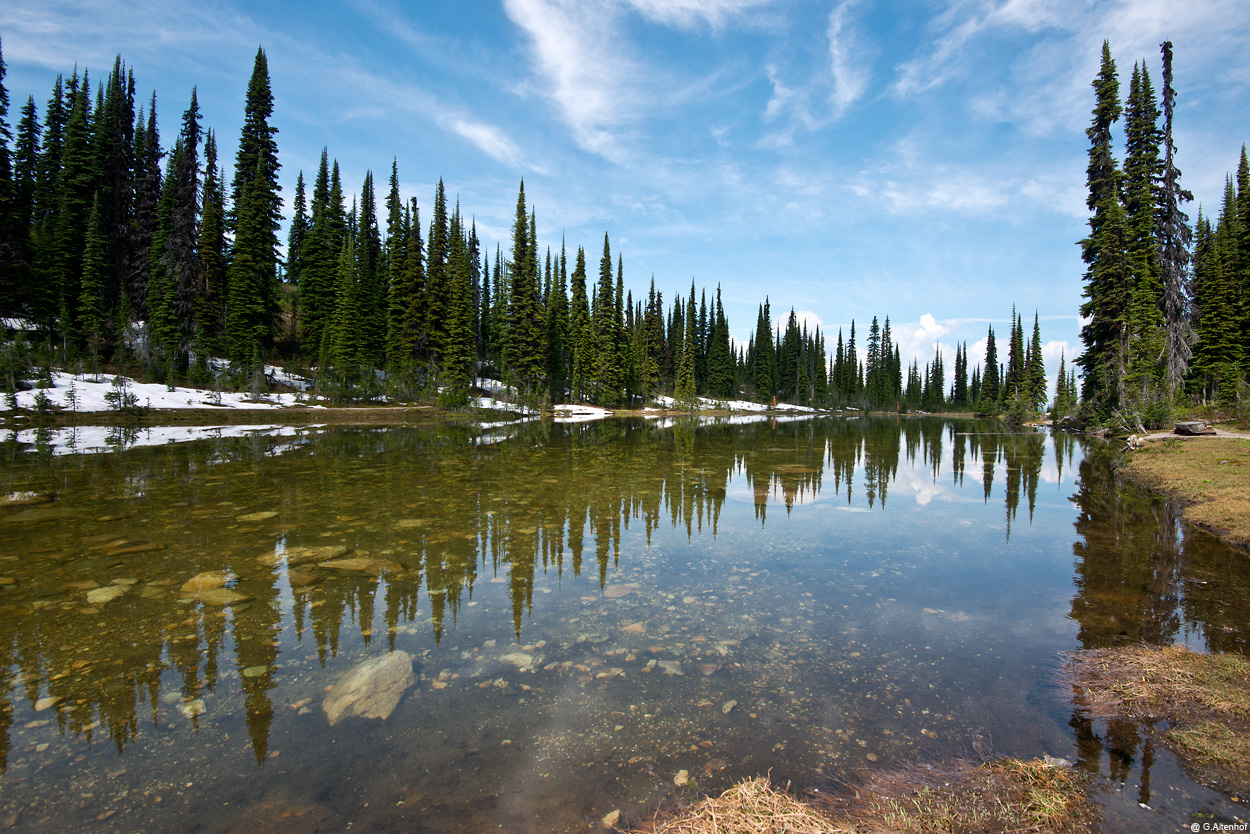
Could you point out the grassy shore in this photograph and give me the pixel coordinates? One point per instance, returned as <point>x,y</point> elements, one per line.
<point>1006,795</point>
<point>1204,698</point>
<point>1211,475</point>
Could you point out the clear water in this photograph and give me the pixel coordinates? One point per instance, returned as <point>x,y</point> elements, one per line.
<point>591,608</point>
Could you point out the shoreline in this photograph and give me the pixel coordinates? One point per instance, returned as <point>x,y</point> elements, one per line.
<point>1210,477</point>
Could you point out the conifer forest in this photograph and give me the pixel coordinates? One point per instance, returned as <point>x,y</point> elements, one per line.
<point>164,256</point>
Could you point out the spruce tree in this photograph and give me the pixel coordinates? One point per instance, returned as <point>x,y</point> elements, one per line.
<point>177,263</point>
<point>556,326</point>
<point>91,312</point>
<point>1105,252</point>
<point>297,232</point>
<point>581,333</point>
<point>1174,237</point>
<point>147,159</point>
<point>252,293</point>
<point>319,256</point>
<point>684,390</point>
<point>523,349</point>
<point>210,312</point>
<point>1035,373</point>
<point>606,317</point>
<point>763,360</point>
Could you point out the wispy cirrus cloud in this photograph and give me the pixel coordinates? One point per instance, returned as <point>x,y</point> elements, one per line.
<point>849,59</point>
<point>598,81</point>
<point>689,13</point>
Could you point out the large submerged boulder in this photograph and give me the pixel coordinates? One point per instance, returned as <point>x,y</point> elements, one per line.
<point>372,688</point>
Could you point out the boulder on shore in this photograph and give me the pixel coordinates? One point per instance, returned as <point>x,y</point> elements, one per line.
<point>1193,429</point>
<point>371,689</point>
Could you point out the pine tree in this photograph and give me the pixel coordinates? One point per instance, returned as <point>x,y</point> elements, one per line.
<point>684,390</point>
<point>556,329</point>
<point>210,312</point>
<point>1142,174</point>
<point>371,276</point>
<point>147,160</point>
<point>91,312</point>
<point>988,395</point>
<point>177,264</point>
<point>606,320</point>
<point>113,140</point>
<point>319,256</point>
<point>78,184</point>
<point>763,357</point>
<point>1035,372</point>
<point>1108,275</point>
<point>252,293</point>
<point>720,358</point>
<point>581,334</point>
<point>1174,238</point>
<point>523,349</point>
<point>297,232</point>
<point>459,349</point>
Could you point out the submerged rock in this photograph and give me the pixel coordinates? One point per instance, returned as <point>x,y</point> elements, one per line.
<point>193,709</point>
<point>366,565</point>
<point>371,689</point>
<point>521,660</point>
<point>21,499</point>
<point>300,579</point>
<point>300,555</point>
<point>205,581</point>
<point>671,667</point>
<point>617,591</point>
<point>219,596</point>
<point>261,516</point>
<point>99,596</point>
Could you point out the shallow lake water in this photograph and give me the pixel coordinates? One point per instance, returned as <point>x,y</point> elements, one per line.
<point>590,608</point>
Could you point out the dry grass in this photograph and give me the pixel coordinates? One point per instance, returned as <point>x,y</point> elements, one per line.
<point>1008,795</point>
<point>750,807</point>
<point>1206,699</point>
<point>1211,475</point>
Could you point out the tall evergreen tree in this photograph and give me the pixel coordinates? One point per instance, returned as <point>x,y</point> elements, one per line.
<point>581,333</point>
<point>606,318</point>
<point>177,269</point>
<point>557,331</point>
<point>684,390</point>
<point>523,346</point>
<point>252,293</point>
<point>147,160</point>
<point>210,313</point>
<point>1174,239</point>
<point>763,356</point>
<point>91,312</point>
<point>297,232</point>
<point>1035,372</point>
<point>1107,276</point>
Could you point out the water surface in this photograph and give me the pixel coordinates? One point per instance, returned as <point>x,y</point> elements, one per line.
<point>592,608</point>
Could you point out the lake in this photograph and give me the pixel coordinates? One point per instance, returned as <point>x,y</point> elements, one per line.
<point>590,608</point>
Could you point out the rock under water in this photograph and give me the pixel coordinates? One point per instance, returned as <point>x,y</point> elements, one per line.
<point>371,689</point>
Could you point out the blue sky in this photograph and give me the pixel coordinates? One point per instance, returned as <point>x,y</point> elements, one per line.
<point>921,160</point>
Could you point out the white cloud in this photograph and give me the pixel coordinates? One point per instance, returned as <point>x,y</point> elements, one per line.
<point>487,138</point>
<point>804,318</point>
<point>591,79</point>
<point>848,59</point>
<point>688,13</point>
